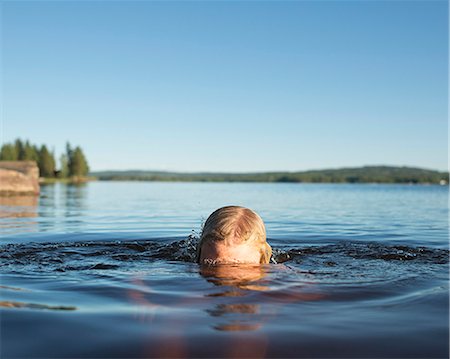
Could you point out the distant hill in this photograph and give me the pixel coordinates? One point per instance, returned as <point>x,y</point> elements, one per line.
<point>366,174</point>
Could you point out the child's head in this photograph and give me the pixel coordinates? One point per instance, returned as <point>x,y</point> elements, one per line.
<point>233,234</point>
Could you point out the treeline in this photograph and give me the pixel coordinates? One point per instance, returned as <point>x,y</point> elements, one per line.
<point>367,174</point>
<point>72,163</point>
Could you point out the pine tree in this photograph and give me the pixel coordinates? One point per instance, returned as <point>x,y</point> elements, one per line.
<point>64,163</point>
<point>78,165</point>
<point>8,152</point>
<point>30,152</point>
<point>46,163</point>
<point>20,149</point>
<point>69,154</point>
<point>68,150</point>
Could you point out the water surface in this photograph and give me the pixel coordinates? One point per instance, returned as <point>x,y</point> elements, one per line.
<point>106,270</point>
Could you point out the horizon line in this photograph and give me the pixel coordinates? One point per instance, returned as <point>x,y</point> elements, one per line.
<point>271,171</point>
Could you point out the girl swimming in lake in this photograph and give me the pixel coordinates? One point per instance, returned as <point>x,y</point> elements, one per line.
<point>233,235</point>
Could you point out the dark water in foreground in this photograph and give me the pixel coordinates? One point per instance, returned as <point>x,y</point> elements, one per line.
<point>105,270</point>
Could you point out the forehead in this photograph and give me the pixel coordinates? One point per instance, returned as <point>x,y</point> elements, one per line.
<point>241,253</point>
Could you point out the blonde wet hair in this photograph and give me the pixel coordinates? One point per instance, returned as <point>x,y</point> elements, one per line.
<point>234,225</point>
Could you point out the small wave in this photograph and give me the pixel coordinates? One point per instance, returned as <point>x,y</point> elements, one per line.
<point>107,255</point>
<point>376,251</point>
<point>94,255</point>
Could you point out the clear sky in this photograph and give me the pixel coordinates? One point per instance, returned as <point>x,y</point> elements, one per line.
<point>229,86</point>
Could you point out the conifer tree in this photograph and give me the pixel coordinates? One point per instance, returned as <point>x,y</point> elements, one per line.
<point>8,152</point>
<point>69,154</point>
<point>30,152</point>
<point>20,150</point>
<point>78,165</point>
<point>37,151</point>
<point>46,163</point>
<point>68,150</point>
<point>64,166</point>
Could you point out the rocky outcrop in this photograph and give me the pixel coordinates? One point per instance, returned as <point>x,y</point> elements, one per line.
<point>19,178</point>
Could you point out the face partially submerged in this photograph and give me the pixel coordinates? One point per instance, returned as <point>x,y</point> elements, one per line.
<point>233,235</point>
<point>216,252</point>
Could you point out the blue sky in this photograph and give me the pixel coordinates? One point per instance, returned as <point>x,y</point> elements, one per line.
<point>229,86</point>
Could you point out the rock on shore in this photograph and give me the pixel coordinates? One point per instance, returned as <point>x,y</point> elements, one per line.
<point>19,178</point>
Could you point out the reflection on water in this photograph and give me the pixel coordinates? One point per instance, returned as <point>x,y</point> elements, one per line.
<point>58,206</point>
<point>65,204</point>
<point>235,281</point>
<point>249,286</point>
<point>18,206</point>
<point>9,304</point>
<point>69,198</point>
<point>237,276</point>
<point>18,211</point>
<point>232,309</point>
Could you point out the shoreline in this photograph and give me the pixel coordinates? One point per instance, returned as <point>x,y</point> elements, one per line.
<point>49,181</point>
<point>367,174</point>
<point>72,180</point>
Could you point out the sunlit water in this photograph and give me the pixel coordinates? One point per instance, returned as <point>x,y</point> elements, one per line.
<point>106,270</point>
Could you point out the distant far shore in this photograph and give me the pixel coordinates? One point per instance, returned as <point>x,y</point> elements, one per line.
<point>366,174</point>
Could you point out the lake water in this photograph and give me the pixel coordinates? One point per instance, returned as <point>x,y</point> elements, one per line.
<point>106,270</point>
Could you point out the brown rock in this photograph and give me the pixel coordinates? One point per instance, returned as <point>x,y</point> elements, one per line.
<point>19,177</point>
